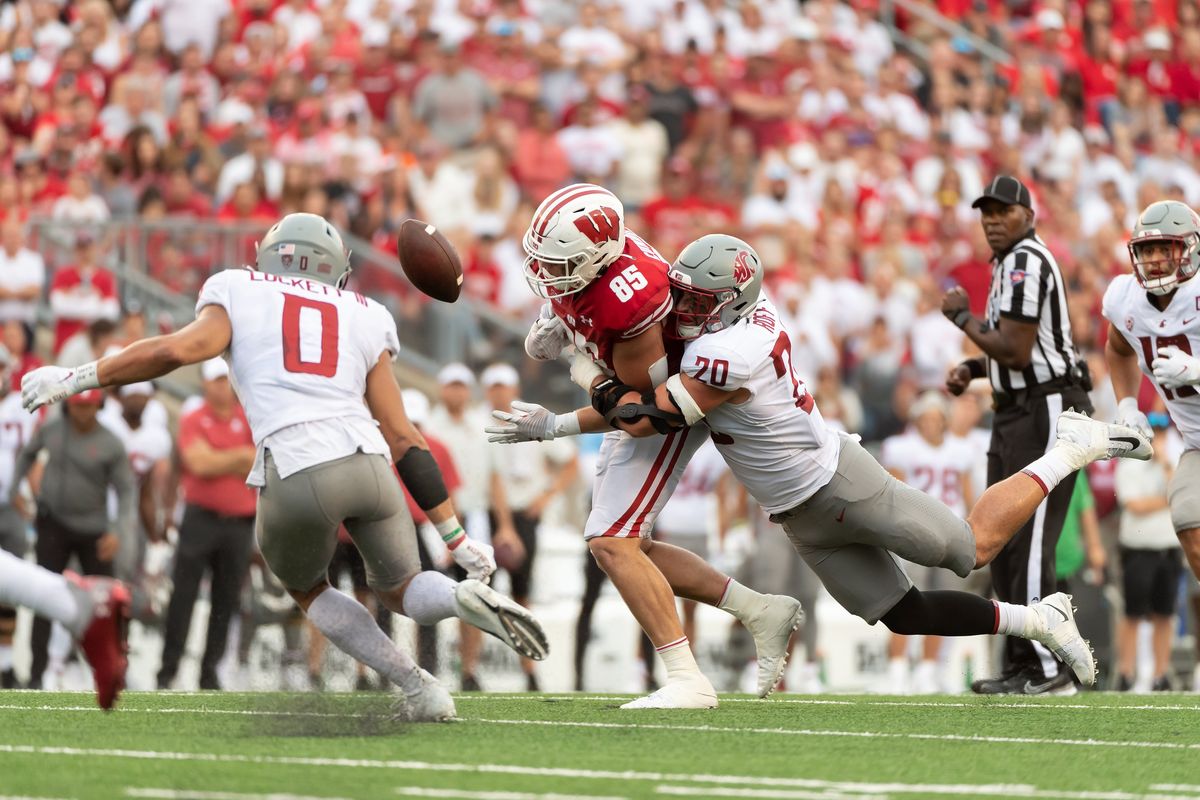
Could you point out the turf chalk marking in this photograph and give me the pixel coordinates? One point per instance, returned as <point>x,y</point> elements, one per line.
<point>461,794</point>
<point>943,737</point>
<point>185,794</point>
<point>1033,705</point>
<point>783,794</point>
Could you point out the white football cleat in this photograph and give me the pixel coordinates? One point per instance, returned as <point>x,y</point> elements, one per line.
<point>1099,440</point>
<point>692,692</point>
<point>772,628</point>
<point>430,703</point>
<point>508,621</point>
<point>1057,630</point>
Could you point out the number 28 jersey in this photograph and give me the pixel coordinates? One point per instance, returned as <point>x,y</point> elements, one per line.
<point>629,297</point>
<point>776,442</point>
<point>299,359</point>
<point>1147,329</point>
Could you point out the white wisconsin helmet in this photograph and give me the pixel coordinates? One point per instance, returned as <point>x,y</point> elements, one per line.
<point>1172,223</point>
<point>305,246</point>
<point>575,233</point>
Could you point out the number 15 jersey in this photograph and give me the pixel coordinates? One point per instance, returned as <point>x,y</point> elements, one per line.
<point>1146,329</point>
<point>776,443</point>
<point>299,359</point>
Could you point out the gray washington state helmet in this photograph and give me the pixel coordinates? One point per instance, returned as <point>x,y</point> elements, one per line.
<point>305,246</point>
<point>1176,225</point>
<point>715,282</point>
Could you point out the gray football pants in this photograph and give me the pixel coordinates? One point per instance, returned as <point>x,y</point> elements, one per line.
<point>848,531</point>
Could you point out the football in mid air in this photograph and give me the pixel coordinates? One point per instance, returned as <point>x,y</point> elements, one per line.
<point>429,260</point>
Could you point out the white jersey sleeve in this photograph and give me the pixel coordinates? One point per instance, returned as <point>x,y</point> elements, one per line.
<point>710,361</point>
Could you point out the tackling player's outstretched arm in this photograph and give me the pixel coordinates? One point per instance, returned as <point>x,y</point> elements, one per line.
<point>687,397</point>
<point>207,337</point>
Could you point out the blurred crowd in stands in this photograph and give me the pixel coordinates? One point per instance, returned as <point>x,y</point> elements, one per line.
<point>848,163</point>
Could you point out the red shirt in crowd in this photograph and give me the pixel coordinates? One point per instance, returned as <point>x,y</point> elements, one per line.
<point>227,495</point>
<point>74,309</point>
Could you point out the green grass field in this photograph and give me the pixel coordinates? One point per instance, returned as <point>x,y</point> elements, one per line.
<point>544,747</point>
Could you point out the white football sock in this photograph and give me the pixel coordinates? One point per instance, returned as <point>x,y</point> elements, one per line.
<point>41,591</point>
<point>352,629</point>
<point>741,601</point>
<point>1054,467</point>
<point>1014,620</point>
<point>429,598</point>
<point>678,659</point>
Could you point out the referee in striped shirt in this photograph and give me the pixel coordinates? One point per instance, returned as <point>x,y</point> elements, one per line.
<point>1035,374</point>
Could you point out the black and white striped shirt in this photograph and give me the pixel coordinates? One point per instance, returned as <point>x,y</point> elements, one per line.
<point>1027,286</point>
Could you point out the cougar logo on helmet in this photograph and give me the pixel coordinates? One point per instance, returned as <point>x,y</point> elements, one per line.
<point>742,269</point>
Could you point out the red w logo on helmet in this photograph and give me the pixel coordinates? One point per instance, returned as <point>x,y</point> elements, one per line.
<point>600,225</point>
<point>742,269</point>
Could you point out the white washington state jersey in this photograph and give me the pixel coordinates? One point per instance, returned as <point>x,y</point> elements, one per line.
<point>775,442</point>
<point>299,359</point>
<point>145,446</point>
<point>935,470</point>
<point>692,506</point>
<point>16,429</point>
<point>1147,329</point>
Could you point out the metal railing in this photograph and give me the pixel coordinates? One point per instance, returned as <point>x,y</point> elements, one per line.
<point>161,265</point>
<point>887,13</point>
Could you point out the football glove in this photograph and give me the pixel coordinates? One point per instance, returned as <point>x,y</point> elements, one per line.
<point>547,337</point>
<point>1129,415</point>
<point>1174,368</point>
<point>46,385</point>
<point>529,422</point>
<point>477,558</point>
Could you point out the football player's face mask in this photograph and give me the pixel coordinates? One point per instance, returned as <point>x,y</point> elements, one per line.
<point>1162,262</point>
<point>698,311</point>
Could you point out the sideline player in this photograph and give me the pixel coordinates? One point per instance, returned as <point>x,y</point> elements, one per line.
<point>1154,326</point>
<point>926,457</point>
<point>305,355</point>
<point>16,428</point>
<point>608,295</point>
<point>843,512</point>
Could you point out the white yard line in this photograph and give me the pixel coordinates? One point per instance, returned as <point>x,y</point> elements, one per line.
<point>803,701</point>
<point>782,794</point>
<point>462,794</point>
<point>791,794</point>
<point>188,794</point>
<point>942,737</point>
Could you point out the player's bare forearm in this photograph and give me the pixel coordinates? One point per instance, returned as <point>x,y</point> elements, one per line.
<point>441,512</point>
<point>1122,364</point>
<point>206,337</point>
<point>387,407</point>
<point>640,362</point>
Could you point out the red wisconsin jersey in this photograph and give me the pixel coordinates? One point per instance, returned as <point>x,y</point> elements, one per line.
<point>631,295</point>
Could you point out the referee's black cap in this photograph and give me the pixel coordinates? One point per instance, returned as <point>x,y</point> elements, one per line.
<point>1008,190</point>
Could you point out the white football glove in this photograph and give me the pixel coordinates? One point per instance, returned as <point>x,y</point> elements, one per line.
<point>477,558</point>
<point>1174,368</point>
<point>547,337</point>
<point>46,385</point>
<point>1129,415</point>
<point>529,422</point>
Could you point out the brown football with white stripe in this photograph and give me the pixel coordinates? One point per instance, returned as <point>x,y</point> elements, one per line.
<point>429,260</point>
